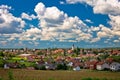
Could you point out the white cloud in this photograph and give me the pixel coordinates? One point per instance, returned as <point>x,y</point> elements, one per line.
<point>56,25</point>
<point>95,39</point>
<point>26,16</point>
<point>3,42</point>
<point>8,22</point>
<point>104,32</point>
<point>93,28</point>
<point>31,34</point>
<point>115,22</point>
<point>107,7</point>
<point>89,2</point>
<point>40,9</point>
<point>116,41</point>
<point>88,21</point>
<point>62,2</point>
<point>101,6</point>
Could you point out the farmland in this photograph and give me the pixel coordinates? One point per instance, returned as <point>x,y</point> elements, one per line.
<point>23,74</point>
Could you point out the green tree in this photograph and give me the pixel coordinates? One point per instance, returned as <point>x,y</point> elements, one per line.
<point>116,58</point>
<point>61,66</point>
<point>103,56</point>
<point>1,54</point>
<point>40,53</point>
<point>77,51</point>
<point>10,75</point>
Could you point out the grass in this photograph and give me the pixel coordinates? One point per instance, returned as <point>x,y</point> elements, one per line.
<point>22,74</point>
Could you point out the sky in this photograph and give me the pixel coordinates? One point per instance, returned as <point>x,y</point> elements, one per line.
<point>59,23</point>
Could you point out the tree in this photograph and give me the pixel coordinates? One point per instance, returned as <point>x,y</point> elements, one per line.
<point>40,53</point>
<point>1,54</point>
<point>61,66</point>
<point>103,56</point>
<point>77,51</point>
<point>95,52</point>
<point>116,58</point>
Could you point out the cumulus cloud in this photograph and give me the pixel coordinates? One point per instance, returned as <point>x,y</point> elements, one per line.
<point>3,42</point>
<point>101,6</point>
<point>8,22</point>
<point>116,41</point>
<point>50,16</point>
<point>109,7</point>
<point>94,28</point>
<point>115,22</point>
<point>56,25</point>
<point>88,21</point>
<point>31,34</point>
<point>62,2</point>
<point>28,17</point>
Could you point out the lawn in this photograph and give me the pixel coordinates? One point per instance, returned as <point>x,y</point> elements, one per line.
<point>22,74</point>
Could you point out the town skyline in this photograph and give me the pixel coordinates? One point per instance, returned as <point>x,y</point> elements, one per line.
<point>59,24</point>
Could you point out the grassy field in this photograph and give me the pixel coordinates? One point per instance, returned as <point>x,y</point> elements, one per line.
<point>22,74</point>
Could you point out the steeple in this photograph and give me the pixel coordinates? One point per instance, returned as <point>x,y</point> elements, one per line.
<point>73,47</point>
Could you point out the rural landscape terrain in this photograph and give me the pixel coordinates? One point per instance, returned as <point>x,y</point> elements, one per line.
<point>59,75</point>
<point>59,39</point>
<point>60,64</point>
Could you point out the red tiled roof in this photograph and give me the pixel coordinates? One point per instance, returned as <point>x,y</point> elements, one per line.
<point>100,63</point>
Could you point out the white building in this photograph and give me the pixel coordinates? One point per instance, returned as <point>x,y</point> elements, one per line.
<point>102,66</point>
<point>115,66</point>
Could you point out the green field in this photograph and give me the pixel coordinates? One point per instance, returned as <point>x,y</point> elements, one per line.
<point>22,74</point>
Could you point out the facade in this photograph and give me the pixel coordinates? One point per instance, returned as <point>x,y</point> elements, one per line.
<point>115,66</point>
<point>102,66</point>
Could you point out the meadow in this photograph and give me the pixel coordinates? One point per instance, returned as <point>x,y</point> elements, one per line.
<point>23,74</point>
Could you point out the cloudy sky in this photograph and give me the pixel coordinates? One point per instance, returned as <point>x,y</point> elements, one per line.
<point>59,23</point>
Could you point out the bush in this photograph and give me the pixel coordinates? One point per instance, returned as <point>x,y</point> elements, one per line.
<point>1,63</point>
<point>61,67</point>
<point>37,67</point>
<point>1,78</point>
<point>94,79</point>
<point>86,79</point>
<point>10,75</point>
<point>50,79</point>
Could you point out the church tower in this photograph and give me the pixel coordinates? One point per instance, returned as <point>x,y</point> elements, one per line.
<point>73,47</point>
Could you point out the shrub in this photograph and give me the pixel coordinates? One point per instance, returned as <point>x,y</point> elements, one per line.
<point>86,79</point>
<point>61,67</point>
<point>1,63</point>
<point>37,67</point>
<point>50,79</point>
<point>10,75</point>
<point>1,78</point>
<point>94,79</point>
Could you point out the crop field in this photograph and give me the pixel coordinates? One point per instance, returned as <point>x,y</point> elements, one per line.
<point>23,74</point>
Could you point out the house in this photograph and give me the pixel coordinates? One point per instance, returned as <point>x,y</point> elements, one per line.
<point>115,66</point>
<point>29,57</point>
<point>70,64</point>
<point>76,68</point>
<point>40,65</point>
<point>6,66</point>
<point>115,52</point>
<point>59,61</point>
<point>70,51</point>
<point>13,65</point>
<point>30,68</point>
<point>93,64</point>
<point>49,66</point>
<point>90,64</point>
<point>102,65</point>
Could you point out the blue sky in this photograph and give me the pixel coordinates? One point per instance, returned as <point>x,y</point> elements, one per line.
<point>59,23</point>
